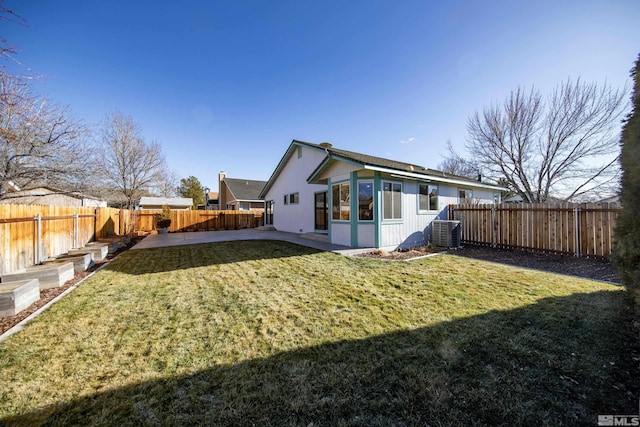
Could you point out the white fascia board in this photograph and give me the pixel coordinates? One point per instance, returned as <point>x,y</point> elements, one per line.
<point>422,177</point>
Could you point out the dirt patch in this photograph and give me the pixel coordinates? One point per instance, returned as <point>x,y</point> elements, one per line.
<point>587,267</point>
<point>47,295</point>
<point>400,254</point>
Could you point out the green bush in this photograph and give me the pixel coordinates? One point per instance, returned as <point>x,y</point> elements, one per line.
<point>626,254</point>
<point>164,221</point>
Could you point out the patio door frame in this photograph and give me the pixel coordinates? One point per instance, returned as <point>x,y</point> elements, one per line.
<point>323,211</point>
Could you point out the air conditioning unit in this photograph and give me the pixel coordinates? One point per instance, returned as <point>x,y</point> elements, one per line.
<point>446,234</point>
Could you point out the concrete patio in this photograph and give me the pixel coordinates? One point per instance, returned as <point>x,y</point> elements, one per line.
<point>193,238</point>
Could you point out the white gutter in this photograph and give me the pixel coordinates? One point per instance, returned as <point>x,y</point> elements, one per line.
<point>419,176</point>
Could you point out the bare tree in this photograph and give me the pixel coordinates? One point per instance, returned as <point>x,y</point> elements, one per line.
<point>40,143</point>
<point>129,163</point>
<point>167,185</point>
<point>455,164</point>
<point>566,144</point>
<point>9,51</point>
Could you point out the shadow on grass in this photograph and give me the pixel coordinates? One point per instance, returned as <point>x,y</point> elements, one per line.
<point>560,361</point>
<point>172,258</point>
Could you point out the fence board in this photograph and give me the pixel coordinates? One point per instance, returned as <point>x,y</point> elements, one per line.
<point>581,230</point>
<point>63,228</point>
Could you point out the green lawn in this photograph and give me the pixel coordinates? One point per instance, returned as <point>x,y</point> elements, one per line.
<point>270,333</point>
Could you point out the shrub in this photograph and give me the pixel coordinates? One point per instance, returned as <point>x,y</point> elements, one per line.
<point>626,254</point>
<point>164,221</point>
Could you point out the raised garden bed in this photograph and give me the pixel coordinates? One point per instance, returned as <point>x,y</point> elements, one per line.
<point>18,295</point>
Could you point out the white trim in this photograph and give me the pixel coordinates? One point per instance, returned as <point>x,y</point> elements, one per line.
<point>417,176</point>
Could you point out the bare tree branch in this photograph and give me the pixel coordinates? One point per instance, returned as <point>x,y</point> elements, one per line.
<point>40,143</point>
<point>127,161</point>
<point>539,146</point>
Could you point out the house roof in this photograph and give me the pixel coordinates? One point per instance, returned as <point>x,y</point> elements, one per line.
<point>295,143</point>
<point>45,191</point>
<point>245,189</point>
<point>366,161</point>
<point>170,201</point>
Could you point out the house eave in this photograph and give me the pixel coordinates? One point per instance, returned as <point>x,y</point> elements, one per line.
<point>327,160</point>
<point>281,164</point>
<point>423,177</point>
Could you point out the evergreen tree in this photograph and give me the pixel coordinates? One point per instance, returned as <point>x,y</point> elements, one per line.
<point>627,234</point>
<point>191,187</point>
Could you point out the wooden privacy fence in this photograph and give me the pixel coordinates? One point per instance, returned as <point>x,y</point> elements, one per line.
<point>575,229</point>
<point>145,220</point>
<point>30,234</point>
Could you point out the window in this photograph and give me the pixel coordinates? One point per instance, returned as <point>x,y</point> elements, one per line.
<point>465,196</point>
<point>365,201</point>
<point>428,197</point>
<point>340,209</point>
<point>245,206</point>
<point>391,200</point>
<point>291,199</point>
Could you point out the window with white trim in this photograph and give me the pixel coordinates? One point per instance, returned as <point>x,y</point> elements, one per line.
<point>391,200</point>
<point>340,202</point>
<point>428,197</point>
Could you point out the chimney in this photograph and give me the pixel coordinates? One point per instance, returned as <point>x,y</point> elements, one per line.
<point>479,177</point>
<point>326,145</point>
<point>222,191</point>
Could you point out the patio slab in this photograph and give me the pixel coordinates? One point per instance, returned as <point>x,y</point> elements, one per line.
<point>192,238</point>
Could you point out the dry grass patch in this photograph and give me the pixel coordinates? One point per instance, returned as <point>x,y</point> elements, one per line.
<point>275,334</point>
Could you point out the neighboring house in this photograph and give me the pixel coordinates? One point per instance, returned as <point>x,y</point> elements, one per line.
<point>239,194</point>
<point>361,200</point>
<point>212,202</point>
<point>615,200</point>
<point>516,198</point>
<point>50,197</point>
<point>174,203</point>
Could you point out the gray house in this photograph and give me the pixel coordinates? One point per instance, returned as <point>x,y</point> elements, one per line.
<point>360,200</point>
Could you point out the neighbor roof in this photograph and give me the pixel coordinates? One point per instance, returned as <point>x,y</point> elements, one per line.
<point>46,191</point>
<point>245,189</point>
<point>170,201</point>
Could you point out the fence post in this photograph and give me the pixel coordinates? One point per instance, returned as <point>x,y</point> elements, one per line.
<point>38,254</point>
<point>576,211</point>
<point>121,223</point>
<point>95,237</point>
<point>493,225</point>
<point>75,229</point>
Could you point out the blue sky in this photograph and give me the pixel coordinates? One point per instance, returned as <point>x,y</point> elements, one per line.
<point>226,85</point>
